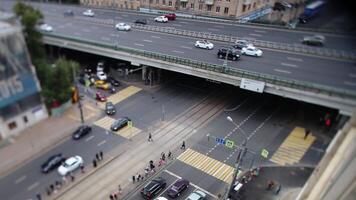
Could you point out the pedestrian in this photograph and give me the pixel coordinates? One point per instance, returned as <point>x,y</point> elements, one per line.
<point>97,157</point>
<point>101,155</point>
<point>64,179</point>
<point>82,168</point>
<point>138,177</point>
<point>146,172</point>
<point>307,132</point>
<point>120,190</point>
<point>169,154</point>
<point>48,191</point>
<point>219,196</point>
<point>133,179</point>
<point>72,178</point>
<point>160,162</point>
<point>52,187</point>
<point>163,156</point>
<point>111,197</point>
<point>38,196</point>
<point>183,145</point>
<point>94,163</point>
<point>278,189</point>
<point>270,184</point>
<point>115,196</point>
<point>150,137</point>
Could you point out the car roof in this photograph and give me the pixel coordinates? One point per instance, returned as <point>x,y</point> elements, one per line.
<point>71,160</point>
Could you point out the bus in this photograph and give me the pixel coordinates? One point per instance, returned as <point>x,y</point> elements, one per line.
<point>311,10</point>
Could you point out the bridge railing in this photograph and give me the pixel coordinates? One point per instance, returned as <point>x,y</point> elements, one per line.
<point>275,80</point>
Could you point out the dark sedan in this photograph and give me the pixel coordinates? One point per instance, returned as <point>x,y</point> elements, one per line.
<point>113,81</point>
<point>120,123</point>
<point>178,187</point>
<point>141,21</point>
<point>153,188</point>
<point>52,163</point>
<point>110,108</point>
<point>81,132</point>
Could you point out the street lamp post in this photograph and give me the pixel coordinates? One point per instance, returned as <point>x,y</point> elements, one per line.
<point>239,157</point>
<point>80,106</point>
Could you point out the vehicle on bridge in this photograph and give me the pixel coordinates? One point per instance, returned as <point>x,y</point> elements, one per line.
<point>251,51</point>
<point>204,44</point>
<point>162,19</point>
<point>88,13</point>
<point>52,163</point>
<point>70,165</point>
<point>123,27</point>
<point>46,27</point>
<point>141,21</point>
<point>231,54</point>
<point>311,10</point>
<point>68,13</point>
<point>315,40</point>
<point>171,16</point>
<point>239,44</point>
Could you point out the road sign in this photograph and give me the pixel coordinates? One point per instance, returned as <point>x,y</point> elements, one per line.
<point>264,153</point>
<point>220,140</point>
<point>229,144</point>
<point>129,123</point>
<point>252,85</point>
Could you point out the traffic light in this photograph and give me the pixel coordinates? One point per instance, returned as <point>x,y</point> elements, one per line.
<point>74,95</point>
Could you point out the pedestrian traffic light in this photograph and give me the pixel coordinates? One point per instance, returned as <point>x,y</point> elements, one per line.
<point>328,122</point>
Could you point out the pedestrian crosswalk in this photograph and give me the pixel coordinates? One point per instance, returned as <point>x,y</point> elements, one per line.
<point>126,132</point>
<point>88,112</point>
<point>208,165</point>
<point>121,95</point>
<point>293,147</point>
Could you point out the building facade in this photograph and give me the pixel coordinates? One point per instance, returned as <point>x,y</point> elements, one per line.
<point>116,4</point>
<point>20,102</point>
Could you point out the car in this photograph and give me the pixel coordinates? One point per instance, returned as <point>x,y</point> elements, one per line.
<point>68,13</point>
<point>52,163</point>
<point>81,132</point>
<point>119,123</point>
<point>100,66</point>
<point>88,13</point>
<point>70,165</point>
<point>170,16</point>
<point>123,27</point>
<point>101,75</point>
<point>113,81</point>
<point>102,85</point>
<point>204,44</point>
<point>110,108</point>
<point>177,188</point>
<point>46,27</point>
<point>239,44</point>
<point>231,54</point>
<point>161,19</point>
<point>251,51</point>
<point>315,40</point>
<point>161,198</point>
<point>100,97</point>
<point>141,21</point>
<point>152,188</point>
<point>196,195</point>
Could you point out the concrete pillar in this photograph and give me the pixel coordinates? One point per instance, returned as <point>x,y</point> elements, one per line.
<point>144,70</point>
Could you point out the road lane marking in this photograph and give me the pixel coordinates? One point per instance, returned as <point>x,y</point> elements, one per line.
<point>213,29</point>
<point>89,138</point>
<point>260,31</point>
<point>155,36</point>
<point>183,22</point>
<point>255,34</point>
<point>31,187</point>
<point>217,26</point>
<point>282,71</point>
<point>141,45</point>
<point>295,59</point>
<point>105,38</point>
<point>76,33</point>
<point>176,25</point>
<point>190,183</point>
<point>352,75</point>
<point>178,51</point>
<point>185,47</point>
<point>147,40</point>
<point>350,83</point>
<point>289,65</point>
<point>19,180</point>
<point>101,143</point>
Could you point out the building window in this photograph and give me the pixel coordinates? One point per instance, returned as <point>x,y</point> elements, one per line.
<point>200,6</point>
<point>249,6</point>
<point>228,0</point>
<point>226,10</point>
<point>157,1</point>
<point>170,3</point>
<point>25,119</point>
<point>243,8</point>
<point>150,1</point>
<point>192,5</point>
<point>218,9</point>
<point>164,2</point>
<point>12,125</point>
<point>184,4</point>
<point>208,7</point>
<point>254,5</point>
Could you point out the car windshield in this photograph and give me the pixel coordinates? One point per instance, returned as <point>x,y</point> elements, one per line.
<point>175,188</point>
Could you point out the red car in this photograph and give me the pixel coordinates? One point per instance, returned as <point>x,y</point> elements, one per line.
<point>100,97</point>
<point>170,16</point>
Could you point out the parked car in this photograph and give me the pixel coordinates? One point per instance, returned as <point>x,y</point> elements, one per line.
<point>113,81</point>
<point>231,54</point>
<point>251,51</point>
<point>171,16</point>
<point>141,21</point>
<point>100,66</point>
<point>46,27</point>
<point>101,75</point>
<point>119,123</point>
<point>161,19</point>
<point>102,85</point>
<point>100,97</point>
<point>88,13</point>
<point>204,44</point>
<point>110,108</point>
<point>161,198</point>
<point>239,44</point>
<point>68,13</point>
<point>197,195</point>
<point>153,188</point>
<point>52,163</point>
<point>123,27</point>
<point>315,40</point>
<point>178,187</point>
<point>70,165</point>
<point>81,132</point>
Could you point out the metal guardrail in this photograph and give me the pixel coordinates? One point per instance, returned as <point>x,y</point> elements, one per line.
<point>298,48</point>
<point>271,79</point>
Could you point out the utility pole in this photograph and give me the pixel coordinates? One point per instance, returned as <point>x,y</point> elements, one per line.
<point>79,99</point>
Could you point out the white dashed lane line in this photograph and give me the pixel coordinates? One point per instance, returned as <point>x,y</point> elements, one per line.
<point>33,186</point>
<point>282,71</point>
<point>178,51</point>
<point>295,59</point>
<point>19,180</point>
<point>185,47</point>
<point>101,143</point>
<point>89,138</point>
<point>177,25</point>
<point>350,83</point>
<point>105,38</point>
<point>183,22</point>
<point>260,31</point>
<point>255,34</point>
<point>153,36</point>
<point>141,45</point>
<point>147,40</point>
<point>78,34</point>
<point>217,26</point>
<point>213,29</point>
<point>289,65</point>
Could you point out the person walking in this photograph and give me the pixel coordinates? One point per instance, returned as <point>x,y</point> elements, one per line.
<point>169,154</point>
<point>101,155</point>
<point>183,145</point>
<point>133,179</point>
<point>307,132</point>
<point>111,197</point>
<point>97,157</point>
<point>150,137</point>
<point>94,163</point>
<point>120,190</point>
<point>38,196</point>
<point>82,169</point>
<point>138,177</point>
<point>115,196</point>
<point>163,156</point>
<point>278,189</point>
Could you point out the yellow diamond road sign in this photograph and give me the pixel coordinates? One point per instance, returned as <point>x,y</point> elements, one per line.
<point>264,153</point>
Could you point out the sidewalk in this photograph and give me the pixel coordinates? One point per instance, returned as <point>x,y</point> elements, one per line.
<point>41,137</point>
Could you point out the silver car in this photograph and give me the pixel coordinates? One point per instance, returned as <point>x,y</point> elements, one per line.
<point>197,195</point>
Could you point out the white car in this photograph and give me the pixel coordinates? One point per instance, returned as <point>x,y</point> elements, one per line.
<point>251,51</point>
<point>123,27</point>
<point>197,195</point>
<point>46,27</point>
<point>101,75</point>
<point>88,13</point>
<point>161,19</point>
<point>204,44</point>
<point>161,198</point>
<point>70,165</point>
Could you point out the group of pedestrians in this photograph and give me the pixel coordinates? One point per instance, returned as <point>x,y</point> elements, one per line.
<point>98,157</point>
<point>115,195</point>
<point>57,185</point>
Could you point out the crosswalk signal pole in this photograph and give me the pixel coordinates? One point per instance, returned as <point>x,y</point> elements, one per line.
<point>80,106</point>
